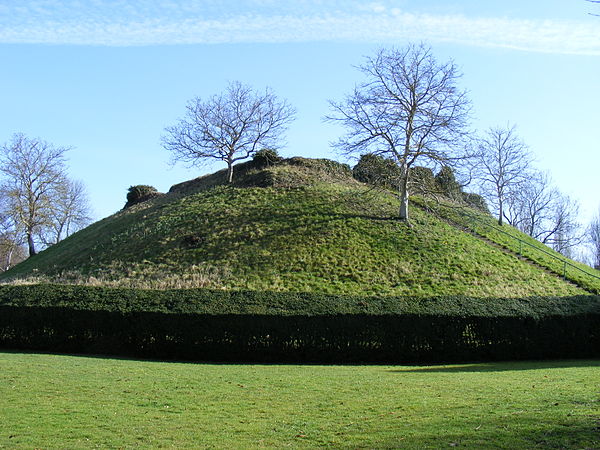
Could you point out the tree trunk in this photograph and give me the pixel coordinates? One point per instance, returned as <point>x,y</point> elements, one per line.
<point>404,206</point>
<point>31,244</point>
<point>59,233</point>
<point>501,212</point>
<point>229,172</point>
<point>8,259</point>
<point>404,194</point>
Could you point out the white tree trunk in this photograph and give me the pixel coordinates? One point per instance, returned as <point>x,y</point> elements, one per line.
<point>404,206</point>
<point>229,172</point>
<point>404,194</point>
<point>8,259</point>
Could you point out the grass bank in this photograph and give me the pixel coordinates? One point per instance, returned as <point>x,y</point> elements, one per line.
<point>325,238</point>
<point>51,401</point>
<point>517,242</point>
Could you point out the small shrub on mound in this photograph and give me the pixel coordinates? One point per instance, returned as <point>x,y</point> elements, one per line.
<point>449,187</point>
<point>265,158</point>
<point>377,171</point>
<point>475,201</point>
<point>422,181</point>
<point>140,193</point>
<point>332,168</point>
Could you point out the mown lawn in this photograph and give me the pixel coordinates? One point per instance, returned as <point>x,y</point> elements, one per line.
<point>50,401</point>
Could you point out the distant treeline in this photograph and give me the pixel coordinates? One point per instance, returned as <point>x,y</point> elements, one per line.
<point>248,326</point>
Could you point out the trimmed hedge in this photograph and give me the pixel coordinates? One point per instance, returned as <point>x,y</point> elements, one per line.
<point>207,325</point>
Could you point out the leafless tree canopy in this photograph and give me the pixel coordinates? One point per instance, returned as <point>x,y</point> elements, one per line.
<point>32,170</point>
<point>564,232</point>
<point>529,207</point>
<point>12,250</point>
<point>229,127</point>
<point>594,240</point>
<point>543,212</point>
<point>502,166</point>
<point>34,178</point>
<point>409,109</point>
<point>70,212</point>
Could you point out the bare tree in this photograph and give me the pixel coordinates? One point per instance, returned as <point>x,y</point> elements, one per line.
<point>530,207</point>
<point>564,231</point>
<point>70,212</point>
<point>11,245</point>
<point>229,127</point>
<point>32,169</point>
<point>11,252</point>
<point>594,240</point>
<point>409,109</point>
<point>540,210</point>
<point>502,166</point>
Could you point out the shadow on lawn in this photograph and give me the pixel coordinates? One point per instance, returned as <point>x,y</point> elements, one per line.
<point>520,432</point>
<point>395,368</point>
<point>500,366</point>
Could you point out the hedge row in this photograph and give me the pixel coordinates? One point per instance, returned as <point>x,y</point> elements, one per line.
<point>207,301</point>
<point>205,325</point>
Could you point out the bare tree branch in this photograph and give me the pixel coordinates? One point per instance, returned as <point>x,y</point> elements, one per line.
<point>12,250</point>
<point>537,208</point>
<point>32,169</point>
<point>70,212</point>
<point>229,127</point>
<point>409,109</point>
<point>502,165</point>
<point>564,232</point>
<point>594,240</point>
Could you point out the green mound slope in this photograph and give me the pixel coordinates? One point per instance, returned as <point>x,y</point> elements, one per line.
<point>506,236</point>
<point>300,225</point>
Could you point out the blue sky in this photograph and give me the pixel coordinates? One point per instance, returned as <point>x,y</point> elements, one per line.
<point>106,77</point>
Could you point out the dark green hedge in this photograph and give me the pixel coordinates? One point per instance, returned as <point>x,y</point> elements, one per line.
<point>292,327</point>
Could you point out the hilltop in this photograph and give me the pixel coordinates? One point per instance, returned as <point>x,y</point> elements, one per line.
<point>294,225</point>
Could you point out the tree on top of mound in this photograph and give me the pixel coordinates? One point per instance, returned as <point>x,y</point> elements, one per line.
<point>408,109</point>
<point>229,127</point>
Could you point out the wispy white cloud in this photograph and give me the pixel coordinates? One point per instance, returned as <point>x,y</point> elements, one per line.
<point>145,22</point>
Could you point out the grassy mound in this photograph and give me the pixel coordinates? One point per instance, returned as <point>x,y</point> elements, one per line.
<point>300,225</point>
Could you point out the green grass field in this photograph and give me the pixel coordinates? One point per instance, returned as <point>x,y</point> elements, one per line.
<point>50,401</point>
